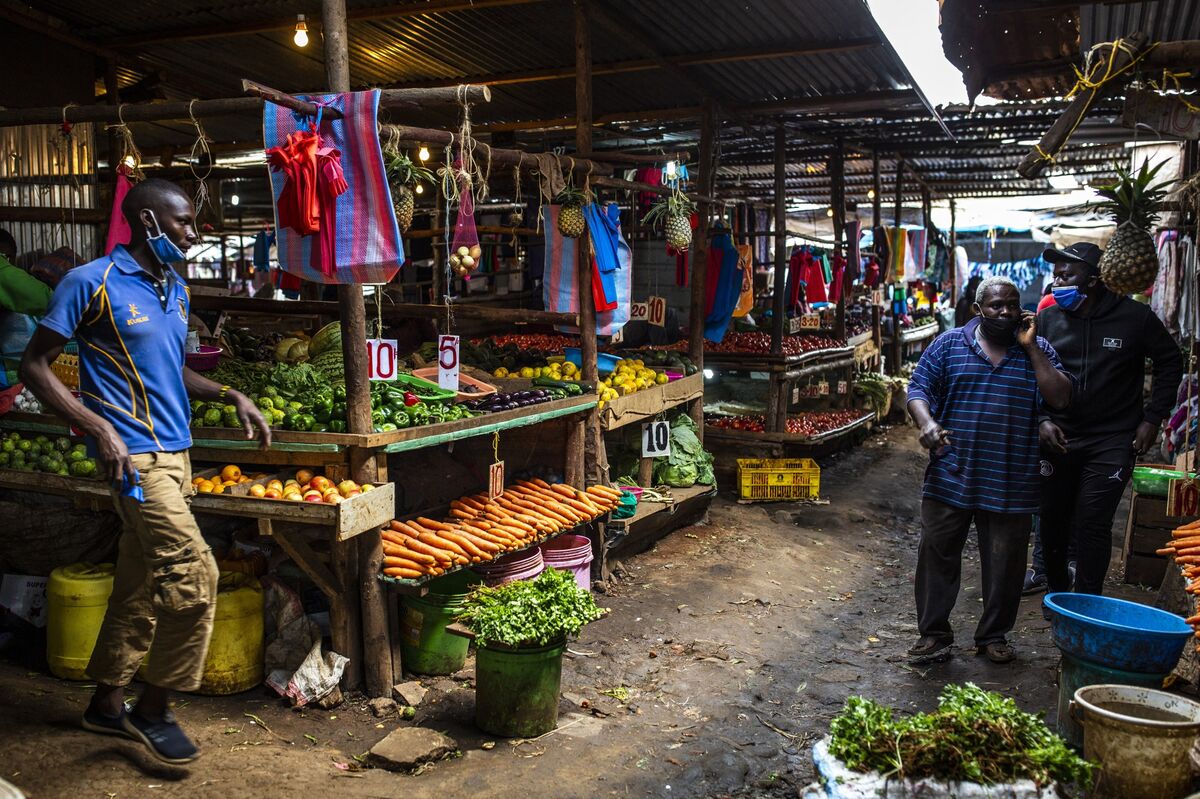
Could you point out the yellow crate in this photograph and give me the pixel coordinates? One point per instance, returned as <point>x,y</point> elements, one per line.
<point>776,479</point>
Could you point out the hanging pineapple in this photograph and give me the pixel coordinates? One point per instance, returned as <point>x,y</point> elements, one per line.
<point>570,216</point>
<point>1130,262</point>
<point>403,175</point>
<point>673,213</point>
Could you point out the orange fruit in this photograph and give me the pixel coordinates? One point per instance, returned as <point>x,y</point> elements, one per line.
<point>204,486</point>
<point>218,488</point>
<point>231,472</point>
<point>275,485</point>
<point>198,480</point>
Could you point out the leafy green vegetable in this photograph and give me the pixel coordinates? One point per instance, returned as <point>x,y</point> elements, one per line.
<point>973,736</point>
<point>689,463</point>
<point>529,612</point>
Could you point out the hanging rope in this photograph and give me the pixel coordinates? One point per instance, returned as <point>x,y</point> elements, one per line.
<point>129,148</point>
<point>200,148</point>
<point>1169,82</point>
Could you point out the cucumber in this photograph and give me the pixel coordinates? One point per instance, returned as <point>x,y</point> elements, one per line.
<point>572,389</point>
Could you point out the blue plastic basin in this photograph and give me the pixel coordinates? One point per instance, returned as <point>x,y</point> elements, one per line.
<point>1115,633</point>
<point>605,363</point>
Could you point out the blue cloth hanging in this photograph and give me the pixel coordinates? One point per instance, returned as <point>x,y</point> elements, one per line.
<point>728,286</point>
<point>604,227</point>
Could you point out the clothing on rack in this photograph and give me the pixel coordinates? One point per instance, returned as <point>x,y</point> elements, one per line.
<point>914,260</point>
<point>853,235</point>
<point>604,228</point>
<point>897,245</point>
<point>560,276</point>
<point>746,265</point>
<point>725,276</point>
<point>835,285</point>
<point>1023,273</point>
<point>263,242</point>
<point>118,226</point>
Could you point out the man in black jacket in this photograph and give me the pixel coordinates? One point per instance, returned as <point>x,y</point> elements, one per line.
<point>1089,448</point>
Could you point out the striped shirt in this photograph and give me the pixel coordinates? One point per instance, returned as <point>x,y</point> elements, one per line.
<point>991,414</point>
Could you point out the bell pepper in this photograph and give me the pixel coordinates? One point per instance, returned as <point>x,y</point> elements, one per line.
<point>401,419</point>
<point>411,399</point>
<point>337,426</point>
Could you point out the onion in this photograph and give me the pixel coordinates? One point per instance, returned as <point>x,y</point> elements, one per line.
<point>468,262</point>
<point>463,252</point>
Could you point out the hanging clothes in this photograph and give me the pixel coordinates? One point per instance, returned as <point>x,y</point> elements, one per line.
<point>914,258</point>
<point>853,236</point>
<point>262,248</point>
<point>835,285</point>
<point>815,281</point>
<point>560,275</point>
<point>872,277</point>
<point>351,193</point>
<point>604,232</point>
<point>118,226</point>
<point>681,266</point>
<point>746,265</point>
<point>897,241</point>
<point>794,281</point>
<point>725,275</point>
<point>883,252</point>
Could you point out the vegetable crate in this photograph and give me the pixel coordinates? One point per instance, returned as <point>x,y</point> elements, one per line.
<point>778,479</point>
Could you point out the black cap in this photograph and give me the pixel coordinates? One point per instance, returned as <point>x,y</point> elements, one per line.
<point>1080,252</point>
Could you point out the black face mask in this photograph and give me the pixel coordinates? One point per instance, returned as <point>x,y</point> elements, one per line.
<point>999,330</point>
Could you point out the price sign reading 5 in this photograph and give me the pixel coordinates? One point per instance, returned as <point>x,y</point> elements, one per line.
<point>656,313</point>
<point>381,358</point>
<point>448,362</point>
<point>656,440</point>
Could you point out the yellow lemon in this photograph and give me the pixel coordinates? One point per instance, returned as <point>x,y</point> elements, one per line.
<point>527,373</point>
<point>662,379</point>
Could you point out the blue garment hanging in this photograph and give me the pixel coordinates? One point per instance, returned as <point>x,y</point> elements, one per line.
<point>728,287</point>
<point>605,231</point>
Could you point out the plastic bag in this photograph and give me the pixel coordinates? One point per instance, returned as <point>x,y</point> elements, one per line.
<point>465,251</point>
<point>317,676</point>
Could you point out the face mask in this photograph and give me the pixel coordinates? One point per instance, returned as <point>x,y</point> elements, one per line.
<point>163,248</point>
<point>1068,297</point>
<point>999,330</point>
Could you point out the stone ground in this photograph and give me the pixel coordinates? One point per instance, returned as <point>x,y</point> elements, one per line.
<point>729,648</point>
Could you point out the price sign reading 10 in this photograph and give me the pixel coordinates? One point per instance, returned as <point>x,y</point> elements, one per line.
<point>381,358</point>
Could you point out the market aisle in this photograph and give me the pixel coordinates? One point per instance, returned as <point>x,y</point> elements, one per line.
<point>728,650</point>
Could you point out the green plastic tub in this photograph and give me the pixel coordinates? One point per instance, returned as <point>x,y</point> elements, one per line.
<point>425,646</point>
<point>1153,481</point>
<point>516,690</point>
<point>423,388</point>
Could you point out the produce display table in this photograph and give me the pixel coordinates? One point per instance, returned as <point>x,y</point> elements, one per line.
<point>653,520</point>
<point>650,402</point>
<point>746,443</point>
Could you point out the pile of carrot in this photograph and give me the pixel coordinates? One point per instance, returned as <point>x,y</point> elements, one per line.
<point>480,530</point>
<point>1185,548</point>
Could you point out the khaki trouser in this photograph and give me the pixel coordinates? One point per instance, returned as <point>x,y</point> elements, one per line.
<point>165,586</point>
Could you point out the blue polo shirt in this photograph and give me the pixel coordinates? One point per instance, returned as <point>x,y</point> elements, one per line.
<point>131,338</point>
<point>991,413</point>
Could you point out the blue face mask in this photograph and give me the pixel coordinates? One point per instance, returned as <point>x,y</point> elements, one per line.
<point>1068,297</point>
<point>163,248</point>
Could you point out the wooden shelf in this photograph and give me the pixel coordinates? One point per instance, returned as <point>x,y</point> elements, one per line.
<point>765,362</point>
<point>914,335</point>
<point>733,436</point>
<point>651,402</point>
<point>433,435</point>
<point>654,520</point>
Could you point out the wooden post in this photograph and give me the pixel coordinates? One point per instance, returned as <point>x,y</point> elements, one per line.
<point>898,217</point>
<point>361,627</point>
<point>778,301</point>
<point>877,332</point>
<point>583,279</point>
<point>953,260</point>
<point>838,196</point>
<point>877,187</point>
<point>898,284</point>
<point>699,254</point>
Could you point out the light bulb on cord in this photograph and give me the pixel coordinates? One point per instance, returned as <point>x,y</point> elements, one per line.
<point>671,169</point>
<point>420,189</point>
<point>829,212</point>
<point>870,194</point>
<point>234,199</point>
<point>423,154</point>
<point>301,36</point>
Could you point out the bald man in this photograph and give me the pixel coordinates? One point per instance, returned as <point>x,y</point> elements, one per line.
<point>128,311</point>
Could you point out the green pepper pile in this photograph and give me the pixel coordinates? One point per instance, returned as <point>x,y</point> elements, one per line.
<point>394,408</point>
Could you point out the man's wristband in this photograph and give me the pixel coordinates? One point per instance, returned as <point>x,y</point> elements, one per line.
<point>223,392</point>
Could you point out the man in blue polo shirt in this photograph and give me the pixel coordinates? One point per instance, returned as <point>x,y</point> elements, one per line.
<point>129,313</point>
<point>975,397</point>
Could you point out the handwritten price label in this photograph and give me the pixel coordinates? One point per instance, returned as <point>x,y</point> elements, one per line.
<point>496,480</point>
<point>656,313</point>
<point>810,321</point>
<point>1183,498</point>
<point>448,364</point>
<point>381,358</point>
<point>639,311</point>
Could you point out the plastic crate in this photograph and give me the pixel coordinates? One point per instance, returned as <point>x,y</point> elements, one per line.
<point>778,479</point>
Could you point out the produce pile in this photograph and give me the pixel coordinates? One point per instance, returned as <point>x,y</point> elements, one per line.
<point>1184,547</point>
<point>973,736</point>
<point>480,529</point>
<point>808,425</point>
<point>509,352</point>
<point>44,454</point>
<point>309,487</point>
<point>688,464</point>
<point>26,402</point>
<point>510,401</point>
<point>555,370</point>
<point>877,389</point>
<point>663,360</point>
<point>535,612</point>
<point>760,344</point>
<point>629,377</point>
<point>226,478</point>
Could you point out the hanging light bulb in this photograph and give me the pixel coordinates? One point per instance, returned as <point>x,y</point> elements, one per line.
<point>671,169</point>
<point>301,35</point>
<point>234,199</point>
<point>423,153</point>
<point>829,212</point>
<point>870,194</point>
<point>420,189</point>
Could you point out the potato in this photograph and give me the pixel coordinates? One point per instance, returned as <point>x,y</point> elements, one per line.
<point>463,252</point>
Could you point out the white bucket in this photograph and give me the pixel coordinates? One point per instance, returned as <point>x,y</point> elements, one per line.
<point>1141,738</point>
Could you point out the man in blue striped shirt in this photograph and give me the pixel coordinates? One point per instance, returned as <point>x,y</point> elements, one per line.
<point>975,398</point>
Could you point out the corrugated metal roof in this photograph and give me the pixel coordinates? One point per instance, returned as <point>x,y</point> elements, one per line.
<point>1161,20</point>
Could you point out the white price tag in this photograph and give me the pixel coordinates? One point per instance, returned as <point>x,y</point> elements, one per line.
<point>823,389</point>
<point>381,358</point>
<point>639,311</point>
<point>448,362</point>
<point>843,387</point>
<point>877,297</point>
<point>656,314</point>
<point>810,321</point>
<point>656,440</point>
<point>796,394</point>
<point>496,480</point>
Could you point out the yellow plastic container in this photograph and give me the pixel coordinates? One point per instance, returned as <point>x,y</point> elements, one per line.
<point>76,598</point>
<point>235,654</point>
<point>776,479</point>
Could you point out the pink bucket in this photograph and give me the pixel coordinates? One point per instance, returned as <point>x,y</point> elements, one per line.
<point>516,566</point>
<point>571,553</point>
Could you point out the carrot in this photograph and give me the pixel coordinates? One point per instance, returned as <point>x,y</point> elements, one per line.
<point>401,563</point>
<point>1166,551</point>
<point>478,541</point>
<point>564,490</point>
<point>394,537</point>
<point>409,574</point>
<point>430,524</point>
<point>1184,542</point>
<point>404,552</point>
<point>588,513</point>
<point>1190,526</point>
<point>406,528</point>
<point>1188,559</point>
<point>605,491</point>
<point>440,555</point>
<point>473,549</point>
<point>435,540</point>
<point>1194,619</point>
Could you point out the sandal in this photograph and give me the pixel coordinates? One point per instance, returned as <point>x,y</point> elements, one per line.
<point>997,652</point>
<point>930,649</point>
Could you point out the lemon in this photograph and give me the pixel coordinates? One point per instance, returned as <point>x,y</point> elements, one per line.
<point>527,373</point>
<point>662,379</point>
<point>501,372</point>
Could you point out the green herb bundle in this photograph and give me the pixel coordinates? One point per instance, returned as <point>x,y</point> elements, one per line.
<point>973,736</point>
<point>529,612</point>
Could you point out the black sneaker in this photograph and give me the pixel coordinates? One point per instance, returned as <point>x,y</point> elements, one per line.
<point>1035,583</point>
<point>95,721</point>
<point>165,739</point>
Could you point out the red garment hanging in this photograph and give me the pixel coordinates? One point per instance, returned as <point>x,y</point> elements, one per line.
<point>331,184</point>
<point>814,278</point>
<point>299,207</point>
<point>839,271</point>
<point>797,267</point>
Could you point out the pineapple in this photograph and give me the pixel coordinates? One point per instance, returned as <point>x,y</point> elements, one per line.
<point>570,216</point>
<point>674,212</point>
<point>403,174</point>
<point>1130,262</point>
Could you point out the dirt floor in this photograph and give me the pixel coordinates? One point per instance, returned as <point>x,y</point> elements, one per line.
<point>729,647</point>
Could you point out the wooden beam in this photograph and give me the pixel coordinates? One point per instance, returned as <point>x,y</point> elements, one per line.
<point>413,98</point>
<point>82,216</point>
<point>583,258</point>
<point>651,188</point>
<point>291,540</point>
<point>794,50</point>
<point>614,157</point>
<point>700,245</point>
<point>498,155</point>
<point>396,312</point>
<point>286,23</point>
<point>1044,152</point>
<point>877,187</point>
<point>781,259</point>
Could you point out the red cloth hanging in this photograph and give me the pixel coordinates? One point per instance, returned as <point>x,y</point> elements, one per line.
<point>871,279</point>
<point>797,268</point>
<point>118,227</point>
<point>839,271</point>
<point>331,184</point>
<point>814,278</point>
<point>299,207</point>
<point>598,296</point>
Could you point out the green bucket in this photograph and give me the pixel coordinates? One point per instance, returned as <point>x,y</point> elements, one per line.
<point>425,646</point>
<point>516,690</point>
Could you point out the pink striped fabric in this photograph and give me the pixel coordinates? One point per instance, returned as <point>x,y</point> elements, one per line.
<point>368,248</point>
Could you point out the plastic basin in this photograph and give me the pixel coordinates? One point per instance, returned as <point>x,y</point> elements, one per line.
<point>605,363</point>
<point>207,358</point>
<point>1116,633</point>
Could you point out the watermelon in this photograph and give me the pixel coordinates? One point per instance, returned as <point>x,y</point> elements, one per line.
<point>328,338</point>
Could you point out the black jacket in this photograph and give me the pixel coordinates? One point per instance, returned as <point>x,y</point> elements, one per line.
<point>1106,351</point>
